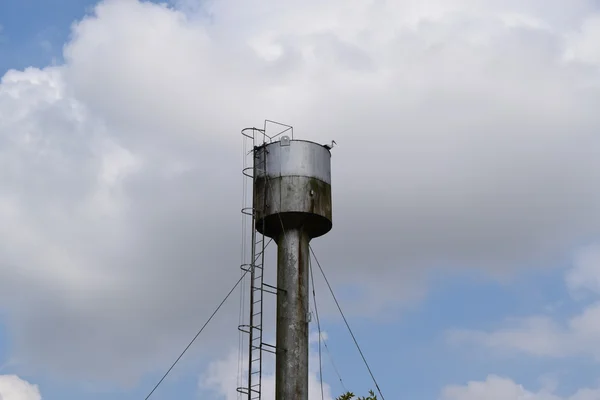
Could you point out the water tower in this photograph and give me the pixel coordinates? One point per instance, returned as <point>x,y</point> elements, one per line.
<point>291,205</point>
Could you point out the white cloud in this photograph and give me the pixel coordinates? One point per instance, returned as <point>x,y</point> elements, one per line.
<point>467,135</point>
<point>585,274</point>
<point>221,377</point>
<point>581,43</point>
<point>14,388</point>
<point>498,388</point>
<point>543,335</point>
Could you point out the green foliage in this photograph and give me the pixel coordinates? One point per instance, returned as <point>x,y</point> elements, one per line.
<point>350,396</point>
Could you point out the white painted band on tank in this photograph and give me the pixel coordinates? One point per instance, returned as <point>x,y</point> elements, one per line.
<point>294,158</point>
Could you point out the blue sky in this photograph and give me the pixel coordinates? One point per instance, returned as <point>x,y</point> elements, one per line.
<point>471,240</point>
<point>35,31</point>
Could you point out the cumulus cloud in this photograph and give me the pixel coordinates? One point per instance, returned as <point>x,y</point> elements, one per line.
<point>543,335</point>
<point>14,388</point>
<point>467,135</point>
<point>103,243</point>
<point>580,42</point>
<point>499,388</point>
<point>223,376</point>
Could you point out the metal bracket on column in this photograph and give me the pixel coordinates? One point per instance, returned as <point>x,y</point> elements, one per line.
<point>272,289</point>
<point>274,351</point>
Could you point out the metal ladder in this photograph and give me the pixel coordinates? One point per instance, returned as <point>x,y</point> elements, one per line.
<point>257,289</point>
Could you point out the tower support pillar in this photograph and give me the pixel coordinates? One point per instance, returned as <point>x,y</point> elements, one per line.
<point>293,254</point>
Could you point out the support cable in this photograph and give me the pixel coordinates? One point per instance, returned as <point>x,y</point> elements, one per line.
<point>324,342</point>
<point>240,366</point>
<point>346,322</point>
<point>337,372</point>
<point>196,337</point>
<point>312,279</point>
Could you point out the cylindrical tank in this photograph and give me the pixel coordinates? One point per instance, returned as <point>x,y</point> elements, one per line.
<point>292,187</point>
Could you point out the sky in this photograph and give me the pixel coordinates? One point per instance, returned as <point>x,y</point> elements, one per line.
<point>465,248</point>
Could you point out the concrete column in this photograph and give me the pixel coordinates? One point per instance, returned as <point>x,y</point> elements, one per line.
<point>291,382</point>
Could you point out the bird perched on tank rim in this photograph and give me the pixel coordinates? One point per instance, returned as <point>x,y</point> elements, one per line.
<point>329,147</point>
